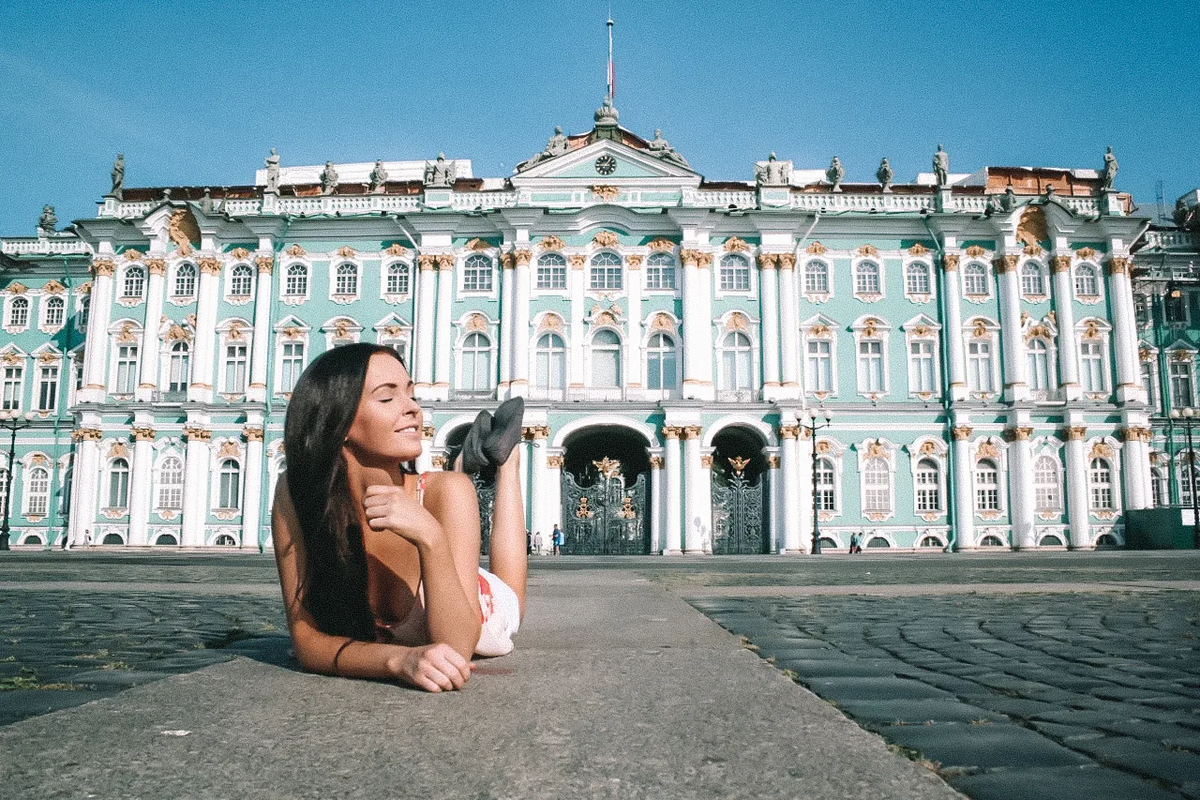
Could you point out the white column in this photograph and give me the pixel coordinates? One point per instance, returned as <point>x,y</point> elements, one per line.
<point>656,504</point>
<point>672,542</point>
<point>633,339</point>
<point>790,324</point>
<point>201,387</point>
<point>148,351</point>
<point>195,486</point>
<point>424,334</point>
<point>1020,488</point>
<point>778,511</point>
<point>520,324</point>
<point>697,326</point>
<point>789,458</point>
<point>507,342</point>
<point>1015,364</point>
<point>139,485</point>
<point>425,460</point>
<point>86,483</point>
<point>802,491</point>
<point>1135,461</point>
<point>550,497</point>
<point>96,355</point>
<point>577,325</point>
<point>1064,312</point>
<point>260,355</point>
<point>252,480</point>
<point>1125,337</point>
<point>694,522</point>
<point>1077,496</point>
<point>953,330</point>
<point>444,326</point>
<point>542,515</point>
<point>703,500</point>
<point>768,296</point>
<point>964,500</point>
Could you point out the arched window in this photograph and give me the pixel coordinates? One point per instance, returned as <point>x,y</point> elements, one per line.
<point>135,282</point>
<point>231,485</point>
<point>660,271</point>
<point>550,368</point>
<point>735,273</point>
<point>826,478</point>
<point>551,272</point>
<point>1039,365</point>
<point>296,284</point>
<point>606,360</point>
<point>870,365</point>
<point>397,278</point>
<point>241,281</point>
<point>477,273</point>
<point>346,282</point>
<point>118,484</point>
<point>979,365</point>
<point>38,502</point>
<point>1188,476</point>
<point>1091,358</point>
<point>975,280</point>
<point>736,362</point>
<point>866,278</point>
<point>179,368</point>
<point>1047,495</point>
<point>127,363</point>
<point>816,277</point>
<point>606,272</point>
<point>170,483</point>
<point>917,281</point>
<point>929,486</point>
<point>18,312</point>
<point>1100,490</point>
<point>185,280</point>
<point>662,364</point>
<point>56,312</point>
<point>476,374</point>
<point>1086,284</point>
<point>819,365</point>
<point>1158,484</point>
<point>877,486</point>
<point>1032,281</point>
<point>987,486</point>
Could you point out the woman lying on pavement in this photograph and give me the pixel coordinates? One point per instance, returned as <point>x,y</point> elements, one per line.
<point>379,565</point>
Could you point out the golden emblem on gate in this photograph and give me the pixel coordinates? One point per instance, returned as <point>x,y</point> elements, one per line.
<point>739,464</point>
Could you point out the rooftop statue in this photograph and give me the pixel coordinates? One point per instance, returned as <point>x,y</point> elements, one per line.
<point>885,174</point>
<point>941,166</point>
<point>439,173</point>
<point>995,204</point>
<point>1009,202</point>
<point>835,173</point>
<point>118,177</point>
<point>772,173</point>
<point>1110,170</point>
<point>1186,216</point>
<point>659,147</point>
<point>272,162</point>
<point>379,177</point>
<point>329,178</point>
<point>555,147</point>
<point>206,203</point>
<point>47,222</point>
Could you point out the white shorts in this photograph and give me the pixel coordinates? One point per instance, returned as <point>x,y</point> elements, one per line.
<point>501,612</point>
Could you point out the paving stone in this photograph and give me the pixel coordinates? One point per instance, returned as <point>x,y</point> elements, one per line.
<point>837,668</point>
<point>1015,707</point>
<point>857,688</point>
<point>1144,758</point>
<point>967,746</point>
<point>1064,732</point>
<point>1059,783</point>
<point>887,712</point>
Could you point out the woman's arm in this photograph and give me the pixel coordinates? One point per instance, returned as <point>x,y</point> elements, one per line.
<point>433,667</point>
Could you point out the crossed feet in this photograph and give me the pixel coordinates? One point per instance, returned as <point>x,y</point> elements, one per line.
<point>492,437</point>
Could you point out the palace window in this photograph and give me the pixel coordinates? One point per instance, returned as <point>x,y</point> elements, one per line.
<point>736,362</point>
<point>929,486</point>
<point>870,366</point>
<point>819,366</point>
<point>816,277</point>
<point>231,485</point>
<point>38,501</point>
<point>917,281</point>
<point>1182,386</point>
<point>179,371</point>
<point>735,273</point>
<point>397,278</point>
<point>979,366</point>
<point>987,486</point>
<point>135,283</point>
<point>47,389</point>
<point>975,280</point>
<point>291,365</point>
<point>1086,284</point>
<point>18,312</point>
<point>877,486</point>
<point>550,365</point>
<point>1150,382</point>
<point>826,499</point>
<point>606,360</point>
<point>551,272</point>
<point>1091,357</point>
<point>662,364</point>
<point>346,283</point>
<point>185,280</point>
<point>3,487</point>
<point>241,280</point>
<point>170,483</point>
<point>127,362</point>
<point>81,312</point>
<point>866,278</point>
<point>1047,495</point>
<point>296,284</point>
<point>13,382</point>
<point>1158,485</point>
<point>1038,356</point>
<point>1100,490</point>
<point>118,484</point>
<point>660,272</point>
<point>606,272</point>
<point>56,312</point>
<point>1175,307</point>
<point>1189,476</point>
<point>921,370</point>
<point>477,273</point>
<point>1033,281</point>
<point>476,374</point>
<point>235,368</point>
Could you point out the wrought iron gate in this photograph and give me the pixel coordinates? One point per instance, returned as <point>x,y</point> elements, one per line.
<point>485,489</point>
<point>605,517</point>
<point>737,508</point>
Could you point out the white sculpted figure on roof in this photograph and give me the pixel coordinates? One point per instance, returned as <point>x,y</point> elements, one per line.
<point>272,164</point>
<point>773,173</point>
<point>329,178</point>
<point>661,148</point>
<point>835,173</point>
<point>885,174</point>
<point>1110,170</point>
<point>555,147</point>
<point>439,173</point>
<point>379,177</point>
<point>118,177</point>
<point>47,222</point>
<point>941,166</point>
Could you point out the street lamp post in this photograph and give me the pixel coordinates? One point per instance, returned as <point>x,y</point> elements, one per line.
<point>1188,414</point>
<point>13,421</point>
<point>812,427</point>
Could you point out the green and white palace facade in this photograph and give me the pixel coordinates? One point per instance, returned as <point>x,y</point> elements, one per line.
<point>967,345</point>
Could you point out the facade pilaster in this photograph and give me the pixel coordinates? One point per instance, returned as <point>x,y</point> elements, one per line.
<point>1016,381</point>
<point>252,502</point>
<point>148,353</point>
<point>195,485</point>
<point>542,515</point>
<point>1077,496</point>
<point>964,500</point>
<point>1020,486</point>
<point>424,342</point>
<point>444,326</point>
<point>520,325</point>
<point>1135,463</point>
<point>703,500</point>
<point>86,491</point>
<point>672,542</point>
<point>550,496</point>
<point>789,457</point>
<point>578,329</point>
<point>656,503</point>
<point>260,350</point>
<point>96,356</point>
<point>425,460</point>
<point>633,340</point>
<point>697,326</point>
<point>778,510</point>
<point>1125,337</point>
<point>507,343</point>
<point>1064,311</point>
<point>954,332</point>
<point>201,387</point>
<point>139,485</point>
<point>790,324</point>
<point>768,296</point>
<point>695,523</point>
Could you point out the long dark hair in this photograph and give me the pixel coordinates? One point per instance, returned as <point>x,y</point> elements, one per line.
<point>320,413</point>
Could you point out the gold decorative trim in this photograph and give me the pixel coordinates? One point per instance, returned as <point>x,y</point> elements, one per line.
<point>239,253</point>
<point>209,266</point>
<point>633,263</point>
<point>252,433</point>
<point>735,245</point>
<point>787,260</point>
<point>656,462</point>
<point>661,245</point>
<point>191,432</point>
<point>396,249</point>
<point>816,249</point>
<point>1004,264</point>
<point>296,251</point>
<point>767,261</point>
<point>444,261</point>
<point>605,238</point>
<point>1118,265</point>
<point>522,257</point>
<point>606,193</point>
<point>949,262</point>
<point>102,267</point>
<point>868,250</point>
<point>554,462</point>
<point>1076,433</point>
<point>577,261</point>
<point>550,243</point>
<point>962,433</point>
<point>478,244</point>
<point>918,249</point>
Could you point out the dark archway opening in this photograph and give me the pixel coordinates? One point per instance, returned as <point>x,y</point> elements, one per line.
<point>605,493</point>
<point>739,492</point>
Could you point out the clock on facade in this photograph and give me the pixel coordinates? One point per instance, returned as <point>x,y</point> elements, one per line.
<point>606,165</point>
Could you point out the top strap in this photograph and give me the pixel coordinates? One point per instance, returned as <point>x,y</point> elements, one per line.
<point>421,487</point>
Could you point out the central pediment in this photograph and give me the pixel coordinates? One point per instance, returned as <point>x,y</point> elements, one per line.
<point>609,162</point>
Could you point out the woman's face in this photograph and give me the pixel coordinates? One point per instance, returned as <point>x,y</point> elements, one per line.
<point>387,426</point>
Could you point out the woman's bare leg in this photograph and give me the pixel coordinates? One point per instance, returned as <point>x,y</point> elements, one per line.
<point>508,554</point>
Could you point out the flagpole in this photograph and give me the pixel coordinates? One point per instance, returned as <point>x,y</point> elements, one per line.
<point>612,77</point>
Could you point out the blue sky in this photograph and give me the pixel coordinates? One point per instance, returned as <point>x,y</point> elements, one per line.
<point>195,93</point>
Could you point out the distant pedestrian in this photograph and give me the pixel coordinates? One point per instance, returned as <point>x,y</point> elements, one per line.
<point>528,542</point>
<point>62,543</point>
<point>556,537</point>
<point>537,543</point>
<point>87,538</point>
<point>854,543</point>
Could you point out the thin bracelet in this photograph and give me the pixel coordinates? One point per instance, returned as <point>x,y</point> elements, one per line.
<point>338,655</point>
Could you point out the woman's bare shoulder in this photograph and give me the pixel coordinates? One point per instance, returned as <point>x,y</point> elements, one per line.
<point>448,485</point>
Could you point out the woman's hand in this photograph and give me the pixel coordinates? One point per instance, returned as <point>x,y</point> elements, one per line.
<point>434,667</point>
<point>390,508</point>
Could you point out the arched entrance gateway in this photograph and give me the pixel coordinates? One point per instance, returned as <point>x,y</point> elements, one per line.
<point>605,493</point>
<point>739,493</point>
